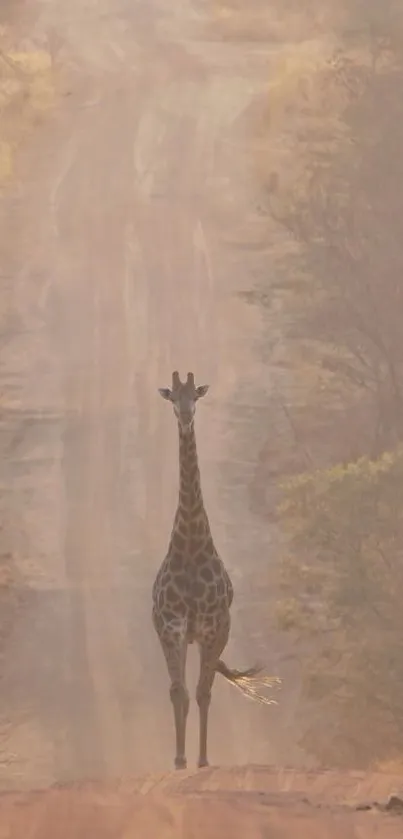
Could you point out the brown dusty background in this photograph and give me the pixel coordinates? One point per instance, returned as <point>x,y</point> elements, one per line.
<point>115,231</point>
<point>122,261</point>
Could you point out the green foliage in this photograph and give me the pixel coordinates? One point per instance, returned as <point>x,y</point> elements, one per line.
<point>342,581</point>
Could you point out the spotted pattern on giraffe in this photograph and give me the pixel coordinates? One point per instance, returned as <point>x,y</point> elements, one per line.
<point>192,592</point>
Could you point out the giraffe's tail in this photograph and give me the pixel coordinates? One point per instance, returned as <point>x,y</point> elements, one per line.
<point>250,682</point>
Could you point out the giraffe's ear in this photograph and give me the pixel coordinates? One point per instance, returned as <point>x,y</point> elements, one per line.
<point>165,392</point>
<point>201,390</point>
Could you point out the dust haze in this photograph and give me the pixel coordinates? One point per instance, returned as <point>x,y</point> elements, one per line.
<point>119,269</point>
<point>191,186</point>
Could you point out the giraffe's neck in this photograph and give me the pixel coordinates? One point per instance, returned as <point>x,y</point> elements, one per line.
<point>190,502</point>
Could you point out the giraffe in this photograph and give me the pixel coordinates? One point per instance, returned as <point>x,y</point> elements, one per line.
<point>192,592</point>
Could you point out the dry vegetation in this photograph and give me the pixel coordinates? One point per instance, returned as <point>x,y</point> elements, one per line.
<point>327,159</point>
<point>26,94</point>
<point>278,23</point>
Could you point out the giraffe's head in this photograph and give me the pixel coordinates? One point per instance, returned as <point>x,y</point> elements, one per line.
<point>183,396</point>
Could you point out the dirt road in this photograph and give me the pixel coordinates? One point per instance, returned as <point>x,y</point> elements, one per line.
<point>236,802</point>
<point>119,232</point>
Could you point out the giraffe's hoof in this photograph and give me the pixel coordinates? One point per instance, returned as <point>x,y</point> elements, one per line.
<point>202,763</point>
<point>180,763</point>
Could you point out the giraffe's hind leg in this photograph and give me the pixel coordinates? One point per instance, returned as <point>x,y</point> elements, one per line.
<point>175,651</point>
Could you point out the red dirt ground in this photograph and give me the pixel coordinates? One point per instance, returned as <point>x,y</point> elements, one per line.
<point>253,801</point>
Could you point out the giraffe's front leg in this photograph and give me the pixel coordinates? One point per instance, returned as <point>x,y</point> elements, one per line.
<point>175,654</point>
<point>203,697</point>
<point>180,702</point>
<point>210,652</point>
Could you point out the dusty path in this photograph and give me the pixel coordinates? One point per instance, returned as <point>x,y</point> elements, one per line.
<point>253,802</point>
<point>118,235</point>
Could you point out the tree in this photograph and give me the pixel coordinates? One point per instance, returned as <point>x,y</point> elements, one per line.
<point>342,579</point>
<point>338,285</point>
<point>334,196</point>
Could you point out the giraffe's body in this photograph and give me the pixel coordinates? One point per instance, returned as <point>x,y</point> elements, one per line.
<point>192,593</point>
